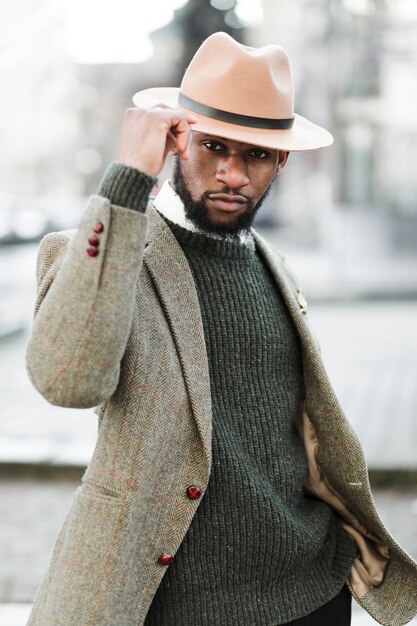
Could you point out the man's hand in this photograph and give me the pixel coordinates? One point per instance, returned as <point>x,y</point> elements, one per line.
<point>147,135</point>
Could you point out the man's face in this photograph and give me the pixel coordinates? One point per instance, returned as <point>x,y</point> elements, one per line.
<point>224,182</point>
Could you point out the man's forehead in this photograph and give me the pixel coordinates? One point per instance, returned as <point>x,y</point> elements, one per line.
<point>241,144</point>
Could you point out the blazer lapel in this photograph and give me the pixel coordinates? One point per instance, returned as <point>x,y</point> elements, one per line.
<point>173,280</point>
<point>291,294</point>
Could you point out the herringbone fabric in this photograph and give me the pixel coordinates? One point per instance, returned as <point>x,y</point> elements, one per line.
<point>123,330</point>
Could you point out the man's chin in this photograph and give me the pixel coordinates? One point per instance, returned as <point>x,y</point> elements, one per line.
<point>224,218</point>
<point>219,222</point>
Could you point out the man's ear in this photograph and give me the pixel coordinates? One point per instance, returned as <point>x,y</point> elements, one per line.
<point>282,160</point>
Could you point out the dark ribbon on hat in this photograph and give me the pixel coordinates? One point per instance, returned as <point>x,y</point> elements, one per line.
<point>266,123</point>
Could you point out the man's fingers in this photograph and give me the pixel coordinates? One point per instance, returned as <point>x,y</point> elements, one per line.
<point>187,150</point>
<point>182,133</point>
<point>161,129</point>
<point>171,143</point>
<point>178,133</point>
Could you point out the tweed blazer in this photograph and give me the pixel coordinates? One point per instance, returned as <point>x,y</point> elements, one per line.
<point>122,331</point>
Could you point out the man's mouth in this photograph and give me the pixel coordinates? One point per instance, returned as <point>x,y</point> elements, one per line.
<point>227,202</point>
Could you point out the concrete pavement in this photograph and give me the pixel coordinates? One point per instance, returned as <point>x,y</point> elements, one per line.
<point>370,352</point>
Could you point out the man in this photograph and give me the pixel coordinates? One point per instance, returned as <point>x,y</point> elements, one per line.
<point>226,486</point>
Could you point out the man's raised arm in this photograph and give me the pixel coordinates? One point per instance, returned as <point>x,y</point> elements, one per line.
<point>87,278</point>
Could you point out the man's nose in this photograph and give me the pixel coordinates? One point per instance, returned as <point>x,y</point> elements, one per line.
<point>232,172</point>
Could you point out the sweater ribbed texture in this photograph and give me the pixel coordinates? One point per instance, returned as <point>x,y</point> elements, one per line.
<point>126,186</point>
<point>259,551</point>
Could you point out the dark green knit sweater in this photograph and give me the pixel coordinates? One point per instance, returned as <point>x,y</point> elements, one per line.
<point>259,551</point>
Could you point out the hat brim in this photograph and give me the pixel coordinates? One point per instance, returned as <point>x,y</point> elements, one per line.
<point>304,135</point>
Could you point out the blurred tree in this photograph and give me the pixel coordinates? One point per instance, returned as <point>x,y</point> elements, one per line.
<point>193,23</point>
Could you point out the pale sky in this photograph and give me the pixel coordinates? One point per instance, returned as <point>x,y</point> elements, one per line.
<point>100,32</point>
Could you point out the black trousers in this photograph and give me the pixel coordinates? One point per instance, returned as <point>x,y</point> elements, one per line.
<point>336,612</point>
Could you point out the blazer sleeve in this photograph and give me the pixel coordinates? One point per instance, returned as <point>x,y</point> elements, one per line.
<point>84,305</point>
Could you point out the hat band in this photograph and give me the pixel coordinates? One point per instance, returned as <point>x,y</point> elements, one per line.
<point>235,118</point>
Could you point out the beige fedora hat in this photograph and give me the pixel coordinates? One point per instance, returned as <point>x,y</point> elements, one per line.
<point>241,93</point>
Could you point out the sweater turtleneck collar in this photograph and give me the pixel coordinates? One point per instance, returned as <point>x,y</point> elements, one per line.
<point>210,247</point>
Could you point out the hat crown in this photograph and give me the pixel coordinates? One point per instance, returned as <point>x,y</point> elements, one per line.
<point>227,75</point>
<point>240,93</point>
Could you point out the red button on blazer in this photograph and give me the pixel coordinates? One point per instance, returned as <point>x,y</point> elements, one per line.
<point>94,241</point>
<point>165,559</point>
<point>92,251</point>
<point>193,492</point>
<point>99,227</point>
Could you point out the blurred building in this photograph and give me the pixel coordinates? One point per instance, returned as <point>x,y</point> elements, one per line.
<point>374,110</point>
<point>354,68</point>
<point>39,118</point>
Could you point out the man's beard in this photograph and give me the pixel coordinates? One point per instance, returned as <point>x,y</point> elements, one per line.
<point>196,210</point>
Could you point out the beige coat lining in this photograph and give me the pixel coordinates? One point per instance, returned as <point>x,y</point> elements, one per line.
<point>369,566</point>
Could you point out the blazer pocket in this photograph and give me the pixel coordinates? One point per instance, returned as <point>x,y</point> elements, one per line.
<point>71,591</point>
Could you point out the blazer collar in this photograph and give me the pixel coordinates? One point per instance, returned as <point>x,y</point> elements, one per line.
<point>290,291</point>
<point>173,280</point>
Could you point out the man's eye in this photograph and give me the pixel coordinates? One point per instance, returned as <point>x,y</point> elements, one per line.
<point>213,145</point>
<point>259,154</point>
